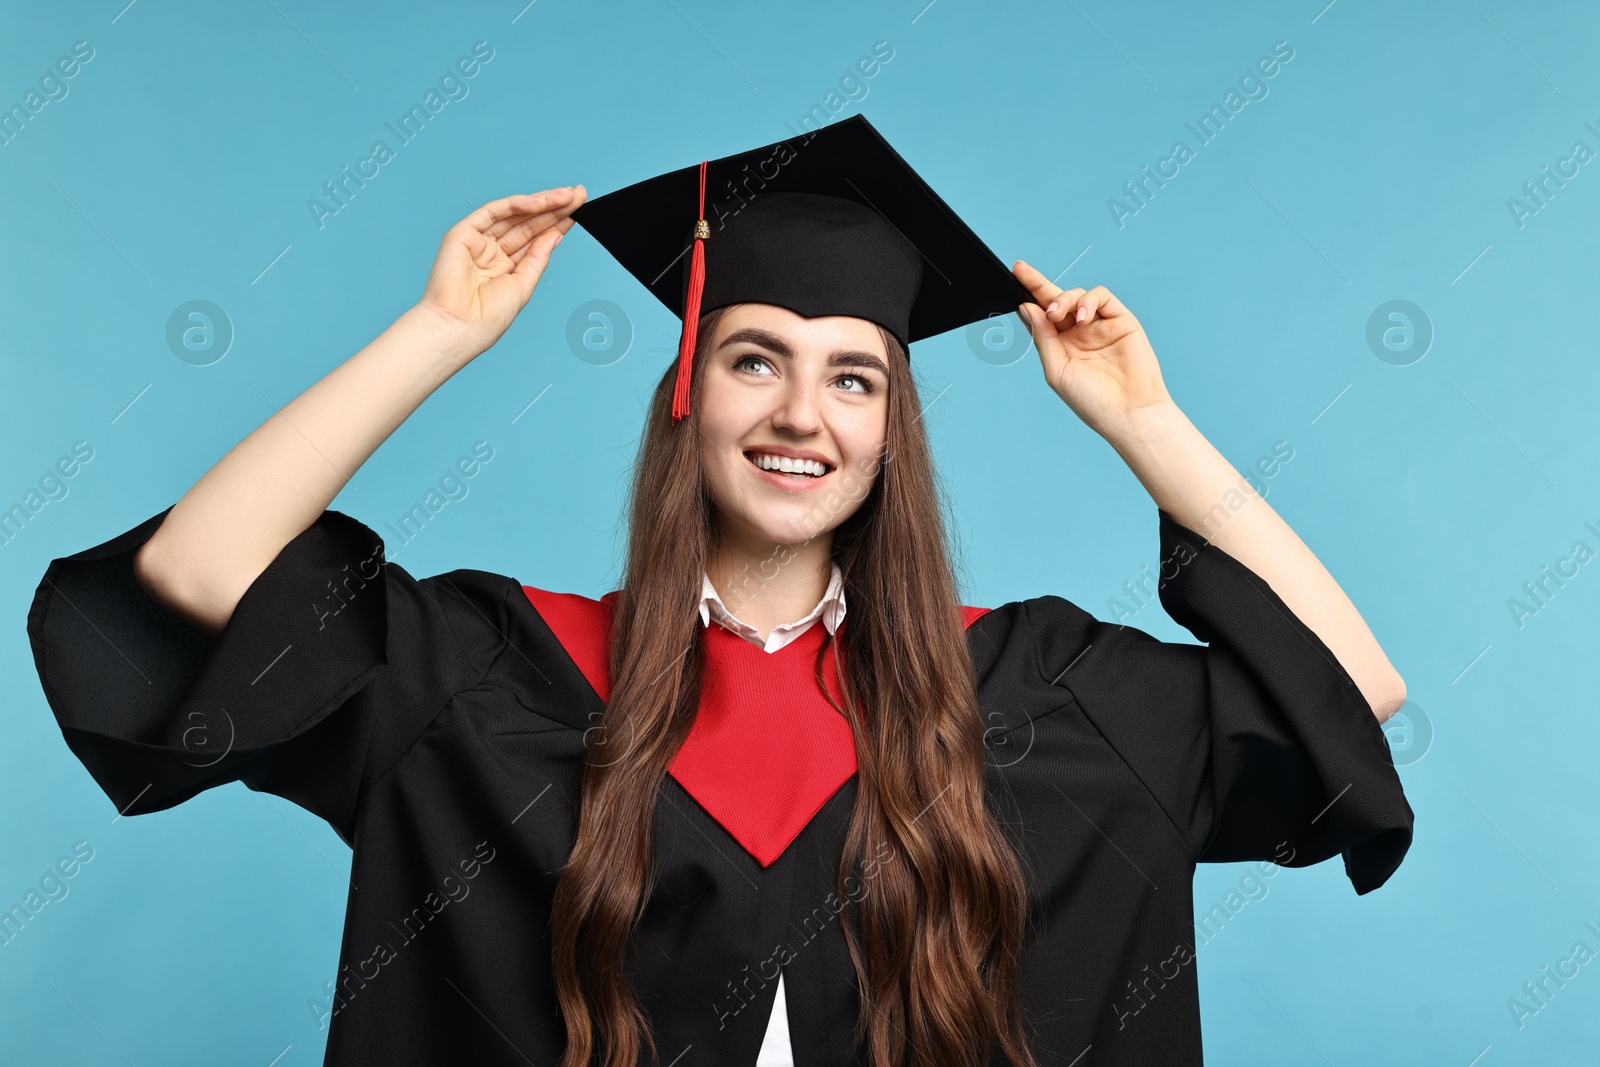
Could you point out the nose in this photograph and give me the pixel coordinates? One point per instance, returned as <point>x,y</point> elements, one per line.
<point>797,410</point>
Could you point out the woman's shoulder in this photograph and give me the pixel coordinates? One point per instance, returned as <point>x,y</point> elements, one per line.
<point>560,651</point>
<point>1026,621</point>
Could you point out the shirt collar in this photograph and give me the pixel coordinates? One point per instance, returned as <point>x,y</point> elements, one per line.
<point>830,607</point>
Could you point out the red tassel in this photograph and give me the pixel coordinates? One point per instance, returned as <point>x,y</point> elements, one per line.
<point>691,310</point>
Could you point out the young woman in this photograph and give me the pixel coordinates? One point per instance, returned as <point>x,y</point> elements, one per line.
<point>783,754</point>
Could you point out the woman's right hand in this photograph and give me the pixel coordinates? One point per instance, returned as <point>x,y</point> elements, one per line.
<point>489,262</point>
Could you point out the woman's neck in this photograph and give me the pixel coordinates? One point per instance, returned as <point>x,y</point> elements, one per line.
<point>767,585</point>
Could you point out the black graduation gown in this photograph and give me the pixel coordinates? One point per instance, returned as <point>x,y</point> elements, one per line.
<point>439,726</point>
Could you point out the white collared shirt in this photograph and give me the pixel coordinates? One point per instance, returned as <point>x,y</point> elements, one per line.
<point>830,608</point>
<point>776,1048</point>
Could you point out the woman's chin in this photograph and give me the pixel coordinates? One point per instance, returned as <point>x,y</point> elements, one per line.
<point>780,525</point>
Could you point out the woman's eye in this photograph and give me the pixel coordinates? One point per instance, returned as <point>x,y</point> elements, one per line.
<point>866,386</point>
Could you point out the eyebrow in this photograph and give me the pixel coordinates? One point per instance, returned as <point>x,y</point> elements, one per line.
<point>771,341</point>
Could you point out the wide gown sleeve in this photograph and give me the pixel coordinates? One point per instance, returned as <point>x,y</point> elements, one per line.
<point>332,664</point>
<point>1256,745</point>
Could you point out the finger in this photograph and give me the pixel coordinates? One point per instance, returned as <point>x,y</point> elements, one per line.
<point>483,218</point>
<point>1056,303</point>
<point>519,235</point>
<point>522,232</point>
<point>502,225</point>
<point>539,221</point>
<point>530,267</point>
<point>1046,341</point>
<point>1043,289</point>
<point>1062,306</point>
<point>465,238</point>
<point>1098,301</point>
<point>561,227</point>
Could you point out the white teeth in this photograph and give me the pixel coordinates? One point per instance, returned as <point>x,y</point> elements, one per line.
<point>788,465</point>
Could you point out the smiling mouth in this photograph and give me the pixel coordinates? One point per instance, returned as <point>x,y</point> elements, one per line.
<point>798,476</point>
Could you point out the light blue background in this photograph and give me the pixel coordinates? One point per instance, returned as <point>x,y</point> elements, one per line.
<point>1378,167</point>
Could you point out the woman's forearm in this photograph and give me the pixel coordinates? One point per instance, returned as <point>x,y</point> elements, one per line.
<point>1191,481</point>
<point>275,483</point>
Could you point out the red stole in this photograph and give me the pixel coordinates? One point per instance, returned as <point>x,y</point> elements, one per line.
<point>766,750</point>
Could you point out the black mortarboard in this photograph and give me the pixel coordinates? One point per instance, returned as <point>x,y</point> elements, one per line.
<point>831,222</point>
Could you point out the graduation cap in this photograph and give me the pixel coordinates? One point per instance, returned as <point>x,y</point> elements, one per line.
<point>833,222</point>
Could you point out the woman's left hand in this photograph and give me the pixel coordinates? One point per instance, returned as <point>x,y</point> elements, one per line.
<point>1094,353</point>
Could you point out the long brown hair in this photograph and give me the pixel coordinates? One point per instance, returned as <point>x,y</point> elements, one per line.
<point>935,941</point>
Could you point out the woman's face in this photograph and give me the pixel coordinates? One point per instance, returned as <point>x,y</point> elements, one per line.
<point>778,384</point>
